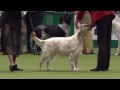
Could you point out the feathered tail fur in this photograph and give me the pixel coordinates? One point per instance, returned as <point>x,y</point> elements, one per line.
<point>38,41</point>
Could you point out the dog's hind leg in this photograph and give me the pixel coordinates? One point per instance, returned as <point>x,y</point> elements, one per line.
<point>50,58</point>
<point>45,57</point>
<point>76,64</point>
<point>41,62</point>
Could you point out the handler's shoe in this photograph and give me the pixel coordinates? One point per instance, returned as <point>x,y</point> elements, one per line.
<point>88,52</point>
<point>14,68</point>
<point>99,69</point>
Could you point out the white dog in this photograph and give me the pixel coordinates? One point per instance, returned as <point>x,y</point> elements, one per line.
<point>69,46</point>
<point>116,28</point>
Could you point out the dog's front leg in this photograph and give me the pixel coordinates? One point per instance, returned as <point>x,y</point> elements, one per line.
<point>76,64</point>
<point>48,65</point>
<point>73,65</point>
<point>72,62</point>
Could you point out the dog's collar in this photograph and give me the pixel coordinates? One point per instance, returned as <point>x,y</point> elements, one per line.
<point>65,27</point>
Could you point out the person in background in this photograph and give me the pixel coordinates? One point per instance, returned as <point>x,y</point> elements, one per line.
<point>37,18</point>
<point>10,24</point>
<point>23,32</point>
<point>87,45</point>
<point>0,34</point>
<point>0,40</point>
<point>103,21</point>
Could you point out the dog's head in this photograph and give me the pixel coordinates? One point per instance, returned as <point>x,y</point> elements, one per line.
<point>65,18</point>
<point>85,27</point>
<point>38,30</point>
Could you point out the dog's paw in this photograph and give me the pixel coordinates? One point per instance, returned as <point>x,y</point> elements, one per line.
<point>40,70</point>
<point>81,68</point>
<point>117,54</point>
<point>78,68</point>
<point>49,69</point>
<point>75,69</point>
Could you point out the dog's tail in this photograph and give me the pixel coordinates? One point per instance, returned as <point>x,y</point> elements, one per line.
<point>38,41</point>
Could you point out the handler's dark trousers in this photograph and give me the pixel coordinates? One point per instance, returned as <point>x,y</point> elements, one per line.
<point>104,28</point>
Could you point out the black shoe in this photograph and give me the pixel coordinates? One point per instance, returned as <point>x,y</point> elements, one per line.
<point>14,68</point>
<point>18,69</point>
<point>99,69</point>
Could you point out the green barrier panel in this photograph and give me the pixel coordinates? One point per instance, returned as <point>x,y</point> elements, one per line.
<point>52,18</point>
<point>49,17</point>
<point>114,43</point>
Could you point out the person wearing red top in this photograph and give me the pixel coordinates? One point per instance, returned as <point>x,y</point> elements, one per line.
<point>103,21</point>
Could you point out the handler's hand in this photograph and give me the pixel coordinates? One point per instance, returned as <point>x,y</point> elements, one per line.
<point>33,34</point>
<point>76,24</point>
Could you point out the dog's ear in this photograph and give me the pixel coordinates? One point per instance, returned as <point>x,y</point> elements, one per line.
<point>61,20</point>
<point>68,18</point>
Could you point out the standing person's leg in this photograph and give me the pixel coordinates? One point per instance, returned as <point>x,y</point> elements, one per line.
<point>103,51</point>
<point>88,43</point>
<point>84,49</point>
<point>28,34</point>
<point>0,40</point>
<point>11,41</point>
<point>23,33</point>
<point>37,18</point>
<point>109,30</point>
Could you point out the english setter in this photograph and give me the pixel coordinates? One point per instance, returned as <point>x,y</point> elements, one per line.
<point>69,46</point>
<point>116,28</point>
<point>48,31</point>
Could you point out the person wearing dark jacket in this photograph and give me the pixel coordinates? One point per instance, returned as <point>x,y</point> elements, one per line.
<point>103,21</point>
<point>37,18</point>
<point>10,24</point>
